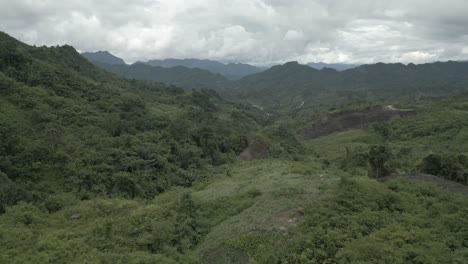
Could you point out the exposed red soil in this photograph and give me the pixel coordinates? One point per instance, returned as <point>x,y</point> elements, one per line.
<point>443,184</point>
<point>255,150</point>
<point>356,119</point>
<point>287,218</point>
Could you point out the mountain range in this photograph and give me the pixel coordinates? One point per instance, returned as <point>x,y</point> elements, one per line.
<point>336,66</point>
<point>188,78</point>
<point>231,71</point>
<point>293,83</point>
<point>103,57</point>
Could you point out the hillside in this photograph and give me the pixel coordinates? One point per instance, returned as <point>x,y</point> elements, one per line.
<point>180,76</point>
<point>69,126</point>
<point>231,71</point>
<point>96,168</point>
<point>103,57</point>
<point>292,83</point>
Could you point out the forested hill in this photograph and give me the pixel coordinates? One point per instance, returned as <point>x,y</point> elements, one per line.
<point>103,57</point>
<point>188,78</point>
<point>232,71</point>
<point>68,126</point>
<point>293,83</point>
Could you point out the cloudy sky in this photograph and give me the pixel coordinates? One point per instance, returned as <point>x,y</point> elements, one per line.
<point>252,31</point>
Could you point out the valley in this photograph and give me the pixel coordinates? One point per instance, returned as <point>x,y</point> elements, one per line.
<point>116,163</point>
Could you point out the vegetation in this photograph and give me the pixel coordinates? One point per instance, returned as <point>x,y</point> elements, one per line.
<point>451,167</point>
<point>232,71</point>
<point>64,130</point>
<point>95,168</point>
<point>292,83</point>
<point>362,221</point>
<point>180,76</point>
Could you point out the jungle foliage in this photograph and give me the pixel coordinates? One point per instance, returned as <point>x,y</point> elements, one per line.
<point>95,168</point>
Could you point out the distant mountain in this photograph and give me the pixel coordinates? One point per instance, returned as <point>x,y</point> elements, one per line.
<point>336,66</point>
<point>231,71</point>
<point>293,83</point>
<point>103,57</point>
<point>180,76</point>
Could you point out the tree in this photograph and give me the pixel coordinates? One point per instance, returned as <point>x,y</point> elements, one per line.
<point>432,164</point>
<point>187,225</point>
<point>452,167</point>
<point>378,156</point>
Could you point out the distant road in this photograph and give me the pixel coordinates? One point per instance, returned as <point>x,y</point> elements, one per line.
<point>258,107</point>
<point>261,109</point>
<point>392,108</point>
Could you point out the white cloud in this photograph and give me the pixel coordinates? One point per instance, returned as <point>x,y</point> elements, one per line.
<point>416,56</point>
<point>293,35</point>
<point>255,31</point>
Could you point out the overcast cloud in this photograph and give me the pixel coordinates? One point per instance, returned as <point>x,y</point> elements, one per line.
<point>252,31</point>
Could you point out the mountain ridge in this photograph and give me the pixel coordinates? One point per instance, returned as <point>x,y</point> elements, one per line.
<point>231,71</point>
<point>336,66</point>
<point>293,82</point>
<point>187,78</point>
<point>103,57</point>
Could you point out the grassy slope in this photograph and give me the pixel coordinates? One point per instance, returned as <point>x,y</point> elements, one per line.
<point>287,185</point>
<point>277,187</point>
<point>249,208</point>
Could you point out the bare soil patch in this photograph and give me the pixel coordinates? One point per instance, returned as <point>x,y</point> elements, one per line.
<point>288,218</point>
<point>443,184</point>
<point>357,119</point>
<point>255,150</point>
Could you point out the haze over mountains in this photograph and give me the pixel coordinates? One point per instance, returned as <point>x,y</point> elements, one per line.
<point>188,78</point>
<point>293,83</point>
<point>232,71</point>
<point>336,66</point>
<point>103,57</point>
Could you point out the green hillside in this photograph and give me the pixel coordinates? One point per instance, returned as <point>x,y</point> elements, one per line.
<point>180,76</point>
<point>292,83</point>
<point>95,168</point>
<point>232,71</point>
<point>69,126</point>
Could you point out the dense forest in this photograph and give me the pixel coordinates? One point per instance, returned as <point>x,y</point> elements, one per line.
<point>180,76</point>
<point>98,168</point>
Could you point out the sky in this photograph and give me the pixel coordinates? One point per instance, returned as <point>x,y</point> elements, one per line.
<point>260,32</point>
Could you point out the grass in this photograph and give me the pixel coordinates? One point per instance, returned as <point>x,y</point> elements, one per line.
<point>275,187</point>
<point>334,146</point>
